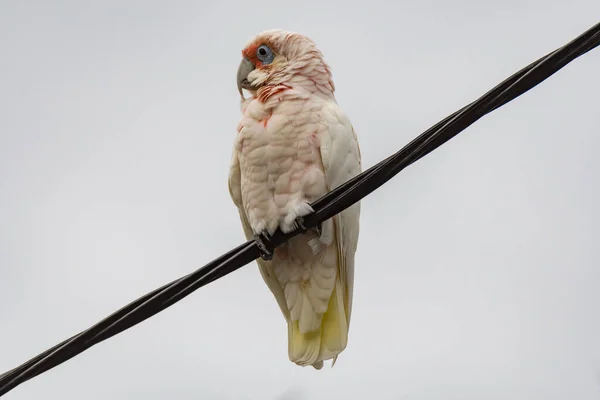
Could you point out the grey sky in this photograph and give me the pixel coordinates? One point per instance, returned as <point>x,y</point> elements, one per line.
<point>477,270</point>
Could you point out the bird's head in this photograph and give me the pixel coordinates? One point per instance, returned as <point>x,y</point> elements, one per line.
<point>276,60</point>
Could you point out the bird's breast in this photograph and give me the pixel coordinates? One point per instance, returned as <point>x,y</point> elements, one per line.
<point>279,155</point>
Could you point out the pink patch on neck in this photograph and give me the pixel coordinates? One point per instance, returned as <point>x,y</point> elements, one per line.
<point>266,92</point>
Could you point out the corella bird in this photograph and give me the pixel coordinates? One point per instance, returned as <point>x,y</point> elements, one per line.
<point>293,145</point>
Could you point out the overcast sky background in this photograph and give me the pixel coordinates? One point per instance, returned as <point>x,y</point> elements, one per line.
<point>477,272</point>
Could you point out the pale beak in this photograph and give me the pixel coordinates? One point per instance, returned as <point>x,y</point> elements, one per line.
<point>242,75</point>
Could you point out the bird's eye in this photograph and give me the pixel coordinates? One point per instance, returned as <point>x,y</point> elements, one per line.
<point>264,54</point>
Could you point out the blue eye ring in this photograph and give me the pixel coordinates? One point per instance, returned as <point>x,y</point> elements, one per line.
<point>265,54</point>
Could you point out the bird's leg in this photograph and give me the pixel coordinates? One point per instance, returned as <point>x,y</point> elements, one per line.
<point>263,243</point>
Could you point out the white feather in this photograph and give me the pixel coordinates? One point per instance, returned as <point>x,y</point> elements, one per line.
<point>294,145</point>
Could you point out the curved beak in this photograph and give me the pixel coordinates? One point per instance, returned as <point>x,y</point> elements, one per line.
<point>244,69</point>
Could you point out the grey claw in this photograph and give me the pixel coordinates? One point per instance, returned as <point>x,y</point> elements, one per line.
<point>300,223</point>
<point>261,240</point>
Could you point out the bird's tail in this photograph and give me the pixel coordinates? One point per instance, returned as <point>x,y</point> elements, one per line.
<point>325,343</point>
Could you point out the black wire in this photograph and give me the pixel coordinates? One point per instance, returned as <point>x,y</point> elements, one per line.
<point>326,207</point>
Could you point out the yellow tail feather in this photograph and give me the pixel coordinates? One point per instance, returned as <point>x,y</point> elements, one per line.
<point>327,342</point>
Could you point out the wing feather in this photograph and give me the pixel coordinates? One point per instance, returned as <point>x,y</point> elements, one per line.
<point>265,267</point>
<point>340,154</point>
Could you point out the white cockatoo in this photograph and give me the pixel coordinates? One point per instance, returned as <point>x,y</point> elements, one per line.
<point>293,145</point>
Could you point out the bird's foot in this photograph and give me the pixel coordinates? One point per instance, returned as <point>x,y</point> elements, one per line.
<point>300,224</point>
<point>294,219</point>
<point>264,245</point>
